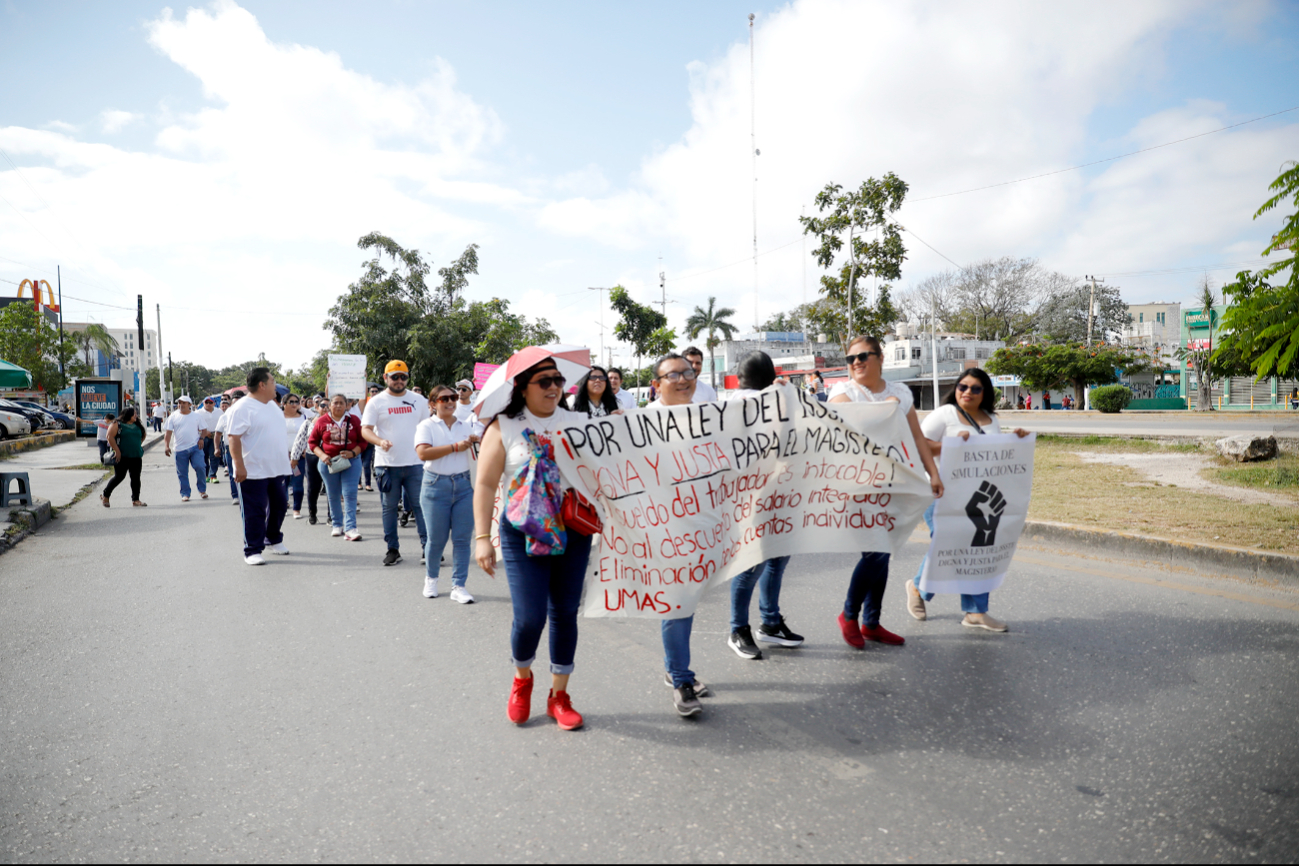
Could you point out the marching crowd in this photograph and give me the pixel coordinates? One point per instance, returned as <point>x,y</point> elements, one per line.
<point>417,449</point>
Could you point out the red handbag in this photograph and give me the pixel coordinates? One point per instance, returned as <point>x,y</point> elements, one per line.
<point>580,515</point>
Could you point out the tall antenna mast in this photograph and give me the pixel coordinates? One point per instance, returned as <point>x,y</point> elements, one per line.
<point>753,146</point>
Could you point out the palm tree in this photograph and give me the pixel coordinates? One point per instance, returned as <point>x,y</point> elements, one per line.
<point>1207,300</point>
<point>96,336</point>
<point>711,321</point>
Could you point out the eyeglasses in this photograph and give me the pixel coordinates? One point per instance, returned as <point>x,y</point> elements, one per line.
<point>547,382</point>
<point>400,377</point>
<point>446,398</point>
<point>674,376</point>
<point>863,357</point>
<point>976,390</point>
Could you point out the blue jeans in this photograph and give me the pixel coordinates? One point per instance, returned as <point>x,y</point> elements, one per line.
<point>969,603</point>
<point>544,588</point>
<point>367,461</point>
<point>676,649</point>
<point>340,488</point>
<point>296,481</point>
<point>209,457</point>
<point>866,589</point>
<point>230,470</point>
<point>394,482</point>
<point>184,460</point>
<point>767,576</point>
<point>448,505</point>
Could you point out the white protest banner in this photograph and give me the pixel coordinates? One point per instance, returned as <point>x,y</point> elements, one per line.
<point>347,376</point>
<point>693,495</point>
<point>987,482</point>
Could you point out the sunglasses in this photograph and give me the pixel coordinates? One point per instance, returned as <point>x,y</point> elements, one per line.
<point>400,377</point>
<point>596,379</point>
<point>464,390</point>
<point>863,357</point>
<point>446,398</point>
<point>973,389</point>
<point>547,382</point>
<point>293,402</point>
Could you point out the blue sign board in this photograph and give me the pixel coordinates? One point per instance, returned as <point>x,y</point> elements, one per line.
<point>96,398</point>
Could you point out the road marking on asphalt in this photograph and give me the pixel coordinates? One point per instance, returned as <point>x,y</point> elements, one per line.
<point>1166,584</point>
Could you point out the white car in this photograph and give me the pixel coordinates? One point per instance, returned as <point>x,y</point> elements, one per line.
<point>13,424</point>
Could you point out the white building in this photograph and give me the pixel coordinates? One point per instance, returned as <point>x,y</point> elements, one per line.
<point>909,358</point>
<point>130,355</point>
<point>1155,328</point>
<point>788,349</point>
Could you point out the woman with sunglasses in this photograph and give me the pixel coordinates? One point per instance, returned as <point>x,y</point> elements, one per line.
<point>293,421</point>
<point>870,577</point>
<point>447,495</point>
<point>969,410</point>
<point>594,396</point>
<point>544,584</point>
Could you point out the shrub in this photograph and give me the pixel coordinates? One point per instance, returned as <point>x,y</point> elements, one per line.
<point>1111,398</point>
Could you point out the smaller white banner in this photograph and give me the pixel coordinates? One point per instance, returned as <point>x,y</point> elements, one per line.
<point>347,375</point>
<point>987,483</point>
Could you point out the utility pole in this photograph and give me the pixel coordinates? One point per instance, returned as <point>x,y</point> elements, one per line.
<point>601,290</point>
<point>171,375</point>
<point>663,290</point>
<point>753,147</point>
<point>142,369</point>
<point>1091,316</point>
<point>162,389</point>
<point>933,339</point>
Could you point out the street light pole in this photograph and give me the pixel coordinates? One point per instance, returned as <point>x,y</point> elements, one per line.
<point>601,290</point>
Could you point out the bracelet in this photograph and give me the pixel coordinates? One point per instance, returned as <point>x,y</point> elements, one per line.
<point>481,537</point>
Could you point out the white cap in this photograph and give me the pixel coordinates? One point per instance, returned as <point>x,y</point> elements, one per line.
<point>184,398</point>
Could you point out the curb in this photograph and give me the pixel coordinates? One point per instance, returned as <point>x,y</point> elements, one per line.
<point>1238,561</point>
<point>33,443</point>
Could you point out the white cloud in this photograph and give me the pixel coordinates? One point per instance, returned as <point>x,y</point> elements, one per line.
<point>112,120</point>
<point>950,96</point>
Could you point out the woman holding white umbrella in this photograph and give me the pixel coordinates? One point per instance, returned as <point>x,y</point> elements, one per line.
<point>545,561</point>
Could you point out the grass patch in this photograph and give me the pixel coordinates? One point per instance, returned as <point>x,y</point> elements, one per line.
<point>1279,475</point>
<point>1116,444</point>
<point>91,466</point>
<point>1068,490</point>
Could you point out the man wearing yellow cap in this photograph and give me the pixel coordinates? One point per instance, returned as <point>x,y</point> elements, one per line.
<point>389,423</point>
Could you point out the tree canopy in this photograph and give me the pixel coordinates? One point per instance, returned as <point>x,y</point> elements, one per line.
<point>31,341</point>
<point>710,322</point>
<point>848,220</point>
<point>1261,324</point>
<point>639,325</point>
<point>1052,366</point>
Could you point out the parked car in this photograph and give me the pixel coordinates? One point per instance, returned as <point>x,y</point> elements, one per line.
<point>13,423</point>
<point>62,420</point>
<point>36,418</point>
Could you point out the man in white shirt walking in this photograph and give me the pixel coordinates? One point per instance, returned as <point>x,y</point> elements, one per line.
<point>625,400</point>
<point>704,393</point>
<point>184,430</point>
<point>208,416</point>
<point>389,423</point>
<point>255,431</point>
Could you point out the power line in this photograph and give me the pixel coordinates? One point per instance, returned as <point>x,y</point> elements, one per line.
<point>926,243</point>
<point>1107,159</point>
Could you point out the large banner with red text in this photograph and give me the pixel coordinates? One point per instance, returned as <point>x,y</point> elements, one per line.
<point>693,495</point>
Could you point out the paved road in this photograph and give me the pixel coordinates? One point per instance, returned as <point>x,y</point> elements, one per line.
<point>320,709</point>
<point>1197,424</point>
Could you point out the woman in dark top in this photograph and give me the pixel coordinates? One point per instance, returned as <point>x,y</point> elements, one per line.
<point>593,395</point>
<point>126,438</point>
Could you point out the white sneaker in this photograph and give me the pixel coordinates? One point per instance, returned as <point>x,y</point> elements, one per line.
<point>352,535</point>
<point>430,587</point>
<point>461,595</point>
<point>234,501</point>
<point>336,532</point>
<point>278,549</point>
<point>255,559</point>
<point>297,515</point>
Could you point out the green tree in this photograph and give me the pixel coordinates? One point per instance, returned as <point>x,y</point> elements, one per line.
<point>31,341</point>
<point>856,214</point>
<point>711,321</point>
<point>96,337</point>
<point>639,325</point>
<point>1043,366</point>
<point>1262,320</point>
<point>1062,318</point>
<point>1201,358</point>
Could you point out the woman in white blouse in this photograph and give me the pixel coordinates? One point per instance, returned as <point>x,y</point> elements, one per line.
<point>447,496</point>
<point>870,577</point>
<point>969,410</point>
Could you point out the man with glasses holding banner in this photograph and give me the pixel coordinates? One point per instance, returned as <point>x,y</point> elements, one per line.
<point>389,423</point>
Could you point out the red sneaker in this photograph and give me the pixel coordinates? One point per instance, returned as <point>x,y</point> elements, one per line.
<point>520,706</point>
<point>883,635</point>
<point>851,631</point>
<point>559,706</point>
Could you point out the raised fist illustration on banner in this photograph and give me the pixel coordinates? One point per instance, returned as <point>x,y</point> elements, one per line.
<point>984,510</point>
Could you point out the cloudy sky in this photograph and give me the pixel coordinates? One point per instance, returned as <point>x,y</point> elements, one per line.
<point>223,159</point>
